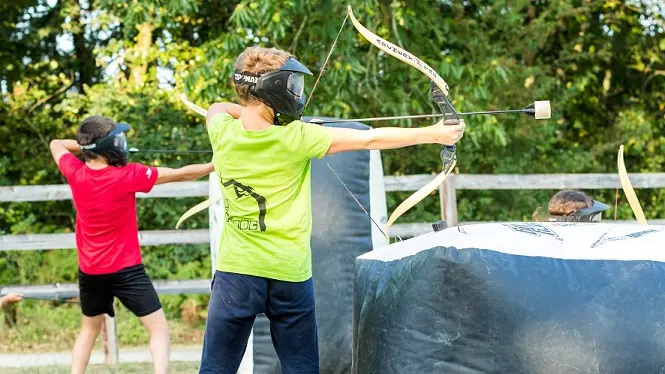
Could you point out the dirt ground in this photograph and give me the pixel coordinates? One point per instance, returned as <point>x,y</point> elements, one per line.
<point>133,368</point>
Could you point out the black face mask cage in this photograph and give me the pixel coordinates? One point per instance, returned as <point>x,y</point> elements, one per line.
<point>112,146</point>
<point>592,214</point>
<point>281,90</point>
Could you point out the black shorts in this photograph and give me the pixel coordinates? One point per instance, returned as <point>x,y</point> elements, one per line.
<point>131,286</point>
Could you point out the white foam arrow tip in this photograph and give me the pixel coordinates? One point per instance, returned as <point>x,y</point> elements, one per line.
<point>542,109</point>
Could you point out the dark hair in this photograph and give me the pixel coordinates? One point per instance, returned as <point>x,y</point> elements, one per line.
<point>567,202</point>
<point>564,203</point>
<point>93,128</point>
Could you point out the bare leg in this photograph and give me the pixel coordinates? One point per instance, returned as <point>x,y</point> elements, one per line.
<point>160,342</point>
<point>90,327</point>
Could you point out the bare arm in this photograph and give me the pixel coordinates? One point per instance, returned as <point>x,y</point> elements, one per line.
<point>233,109</point>
<point>60,147</point>
<point>10,298</point>
<point>185,173</point>
<point>345,139</point>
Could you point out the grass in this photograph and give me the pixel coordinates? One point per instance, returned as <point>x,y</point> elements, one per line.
<point>133,368</point>
<point>41,327</point>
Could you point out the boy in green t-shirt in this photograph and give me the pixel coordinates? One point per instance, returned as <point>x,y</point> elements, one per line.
<point>262,152</point>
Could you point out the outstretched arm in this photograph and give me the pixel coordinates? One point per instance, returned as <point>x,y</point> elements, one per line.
<point>185,173</point>
<point>344,139</point>
<point>60,147</point>
<point>233,109</point>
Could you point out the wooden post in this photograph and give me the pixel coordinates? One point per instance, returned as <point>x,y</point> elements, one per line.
<point>448,199</point>
<point>110,336</point>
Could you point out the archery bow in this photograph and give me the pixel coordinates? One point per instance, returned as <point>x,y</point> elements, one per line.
<point>439,92</point>
<point>628,189</point>
<point>210,201</point>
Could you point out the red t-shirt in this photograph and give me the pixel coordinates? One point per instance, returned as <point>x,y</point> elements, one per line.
<point>106,231</point>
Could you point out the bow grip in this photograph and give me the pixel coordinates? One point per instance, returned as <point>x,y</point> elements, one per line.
<point>449,112</point>
<point>448,154</point>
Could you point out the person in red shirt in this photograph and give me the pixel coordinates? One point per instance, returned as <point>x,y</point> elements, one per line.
<point>104,188</point>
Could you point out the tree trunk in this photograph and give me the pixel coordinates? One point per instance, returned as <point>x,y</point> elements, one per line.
<point>143,44</point>
<point>84,61</point>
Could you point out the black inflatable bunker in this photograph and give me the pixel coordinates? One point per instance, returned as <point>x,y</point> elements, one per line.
<point>514,298</point>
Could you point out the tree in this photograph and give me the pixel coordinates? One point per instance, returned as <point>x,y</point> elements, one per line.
<point>600,62</point>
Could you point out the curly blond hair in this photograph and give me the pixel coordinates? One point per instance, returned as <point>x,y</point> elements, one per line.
<point>257,60</point>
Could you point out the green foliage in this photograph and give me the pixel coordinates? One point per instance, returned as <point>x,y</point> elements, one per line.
<point>600,62</point>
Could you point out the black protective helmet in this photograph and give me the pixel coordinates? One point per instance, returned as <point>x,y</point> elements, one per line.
<point>593,213</point>
<point>282,90</point>
<point>113,145</point>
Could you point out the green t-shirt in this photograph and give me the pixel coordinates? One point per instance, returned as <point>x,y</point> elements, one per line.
<point>265,182</point>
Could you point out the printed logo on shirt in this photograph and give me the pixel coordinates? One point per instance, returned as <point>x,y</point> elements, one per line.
<point>148,173</point>
<point>241,191</point>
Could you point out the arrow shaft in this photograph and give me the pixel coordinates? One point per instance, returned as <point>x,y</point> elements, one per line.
<point>134,150</point>
<point>416,116</point>
<point>368,119</point>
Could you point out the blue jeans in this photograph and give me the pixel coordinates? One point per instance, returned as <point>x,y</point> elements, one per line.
<point>235,302</point>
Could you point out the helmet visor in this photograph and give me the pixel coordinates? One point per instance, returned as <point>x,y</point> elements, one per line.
<point>593,213</point>
<point>296,84</point>
<point>120,142</point>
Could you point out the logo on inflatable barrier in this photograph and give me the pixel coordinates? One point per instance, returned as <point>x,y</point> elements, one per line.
<point>606,239</point>
<point>535,229</point>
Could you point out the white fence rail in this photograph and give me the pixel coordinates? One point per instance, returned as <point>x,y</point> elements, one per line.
<point>399,183</point>
<point>447,196</point>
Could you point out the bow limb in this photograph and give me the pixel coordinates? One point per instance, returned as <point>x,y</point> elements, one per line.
<point>197,208</point>
<point>417,196</point>
<point>193,106</point>
<point>398,53</point>
<point>628,189</point>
